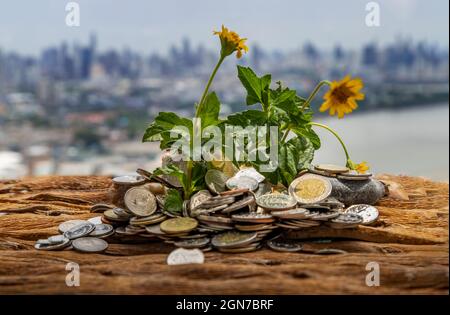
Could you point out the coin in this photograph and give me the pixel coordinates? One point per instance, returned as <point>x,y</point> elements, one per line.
<point>215,180</point>
<point>284,245</point>
<point>102,230</point>
<point>298,213</point>
<point>253,217</point>
<point>154,229</point>
<point>331,168</point>
<point>242,182</point>
<point>95,220</point>
<point>233,239</point>
<point>150,220</point>
<point>253,227</point>
<point>80,230</point>
<point>276,201</point>
<point>208,211</point>
<point>65,226</point>
<point>56,239</point>
<point>140,201</point>
<point>101,207</point>
<point>353,177</point>
<point>217,201</point>
<point>321,173</point>
<point>235,192</point>
<point>122,213</point>
<point>89,245</point>
<point>247,201</point>
<point>310,188</point>
<point>178,225</point>
<point>40,245</point>
<point>368,213</point>
<point>345,220</point>
<point>112,216</point>
<point>324,215</point>
<point>193,243</point>
<point>249,248</point>
<point>218,219</point>
<point>198,198</point>
<point>182,256</point>
<point>156,188</point>
<point>128,179</point>
<point>263,188</point>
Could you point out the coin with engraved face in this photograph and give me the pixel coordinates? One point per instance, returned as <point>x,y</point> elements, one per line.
<point>140,201</point>
<point>80,230</point>
<point>276,202</point>
<point>369,213</point>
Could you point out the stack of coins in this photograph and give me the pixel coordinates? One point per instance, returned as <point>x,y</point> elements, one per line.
<point>339,172</point>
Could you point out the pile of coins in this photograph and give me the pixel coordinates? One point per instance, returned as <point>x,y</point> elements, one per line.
<point>234,215</point>
<point>339,172</point>
<point>80,235</point>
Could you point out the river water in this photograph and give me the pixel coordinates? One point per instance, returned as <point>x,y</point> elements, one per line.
<point>408,141</point>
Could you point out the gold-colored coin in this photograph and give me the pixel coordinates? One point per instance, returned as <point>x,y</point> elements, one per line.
<point>310,188</point>
<point>178,225</point>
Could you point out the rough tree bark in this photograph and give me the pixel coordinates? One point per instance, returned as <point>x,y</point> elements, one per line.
<point>410,243</point>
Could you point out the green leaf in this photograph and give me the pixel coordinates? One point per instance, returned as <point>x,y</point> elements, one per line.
<point>209,112</point>
<point>310,134</point>
<point>257,88</point>
<point>162,126</point>
<point>173,202</point>
<point>247,118</point>
<point>198,176</point>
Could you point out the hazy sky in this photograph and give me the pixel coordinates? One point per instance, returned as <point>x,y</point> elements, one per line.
<point>152,25</point>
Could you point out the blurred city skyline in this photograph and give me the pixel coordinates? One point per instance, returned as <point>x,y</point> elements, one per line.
<point>153,26</point>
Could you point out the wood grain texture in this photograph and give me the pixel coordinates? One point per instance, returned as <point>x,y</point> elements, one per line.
<point>410,243</point>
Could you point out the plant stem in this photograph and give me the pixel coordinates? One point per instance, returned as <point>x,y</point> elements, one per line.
<point>335,134</point>
<point>205,93</point>
<point>314,92</point>
<point>285,135</point>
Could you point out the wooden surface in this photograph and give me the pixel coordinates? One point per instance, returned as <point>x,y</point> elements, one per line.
<point>410,244</point>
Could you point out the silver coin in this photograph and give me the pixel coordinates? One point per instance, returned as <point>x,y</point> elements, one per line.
<point>56,239</point>
<point>128,179</point>
<point>352,178</point>
<point>193,243</point>
<point>102,230</point>
<point>368,213</point>
<point>43,241</point>
<point>276,202</point>
<point>59,246</point>
<point>96,220</point>
<point>298,213</point>
<point>140,201</point>
<point>198,198</point>
<point>216,201</point>
<point>331,168</point>
<point>348,218</point>
<point>324,215</point>
<point>89,245</point>
<point>80,230</point>
<point>182,256</point>
<point>247,201</point>
<point>253,217</point>
<point>284,245</point>
<point>242,182</point>
<point>65,226</point>
<point>215,181</point>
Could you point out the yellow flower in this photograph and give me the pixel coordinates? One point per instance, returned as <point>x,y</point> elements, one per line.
<point>362,167</point>
<point>231,42</point>
<point>342,96</point>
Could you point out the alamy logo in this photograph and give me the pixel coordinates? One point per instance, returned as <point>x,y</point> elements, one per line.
<point>73,14</point>
<point>373,277</point>
<point>373,15</point>
<point>73,277</point>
